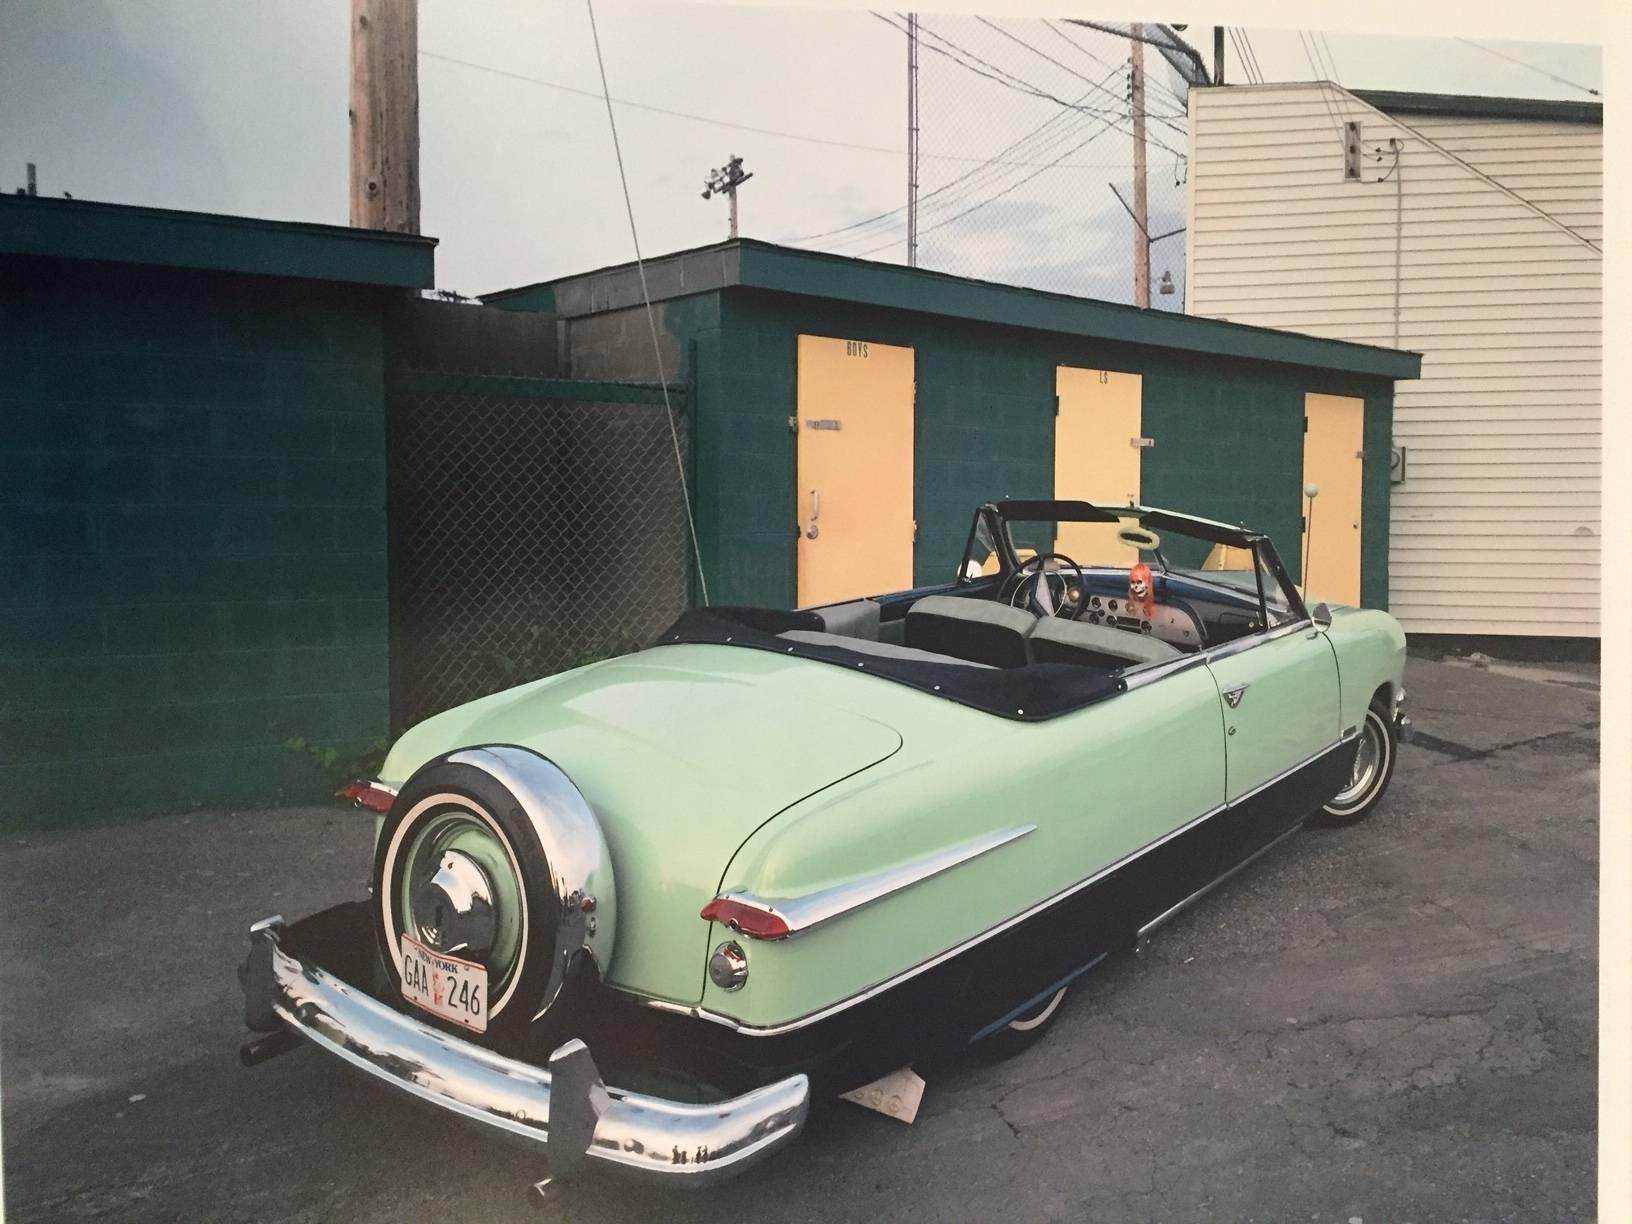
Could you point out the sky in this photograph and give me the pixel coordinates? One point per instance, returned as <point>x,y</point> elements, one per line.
<point>143,103</point>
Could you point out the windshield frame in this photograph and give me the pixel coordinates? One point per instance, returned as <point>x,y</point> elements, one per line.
<point>996,517</point>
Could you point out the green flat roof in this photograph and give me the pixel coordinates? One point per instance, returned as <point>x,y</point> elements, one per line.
<point>750,264</point>
<point>1396,102</point>
<point>123,233</point>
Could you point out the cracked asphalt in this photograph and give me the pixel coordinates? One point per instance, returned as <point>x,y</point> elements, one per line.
<point>1394,1022</point>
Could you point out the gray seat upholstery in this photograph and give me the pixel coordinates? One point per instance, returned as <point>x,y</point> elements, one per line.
<point>980,630</point>
<point>881,649</point>
<point>858,618</point>
<point>1055,640</point>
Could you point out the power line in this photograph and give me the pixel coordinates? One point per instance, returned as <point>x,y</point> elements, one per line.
<point>957,193</point>
<point>1241,54</point>
<point>1549,75</point>
<point>724,123</point>
<point>1045,55</point>
<point>967,174</point>
<point>1074,125</point>
<point>1020,84</point>
<point>1149,83</point>
<point>1006,79</point>
<point>1104,125</point>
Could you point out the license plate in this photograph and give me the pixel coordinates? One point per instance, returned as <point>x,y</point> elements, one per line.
<point>444,985</point>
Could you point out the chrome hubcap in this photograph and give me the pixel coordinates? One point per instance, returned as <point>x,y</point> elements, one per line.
<point>1368,761</point>
<point>456,892</point>
<point>453,908</point>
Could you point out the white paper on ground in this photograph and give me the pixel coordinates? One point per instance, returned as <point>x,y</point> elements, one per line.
<point>896,1095</point>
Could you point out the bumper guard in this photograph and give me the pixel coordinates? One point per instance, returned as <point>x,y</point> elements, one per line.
<point>564,1106</point>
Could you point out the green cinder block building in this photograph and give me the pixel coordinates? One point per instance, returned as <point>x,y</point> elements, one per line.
<point>192,504</point>
<point>905,398</point>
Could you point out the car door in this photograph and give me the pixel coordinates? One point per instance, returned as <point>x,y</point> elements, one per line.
<point>1279,699</point>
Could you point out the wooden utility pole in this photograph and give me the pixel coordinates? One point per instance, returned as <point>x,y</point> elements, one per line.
<point>1141,225</point>
<point>385,115</point>
<point>1218,55</point>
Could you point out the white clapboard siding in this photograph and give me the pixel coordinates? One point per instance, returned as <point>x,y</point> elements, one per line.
<point>1494,226</point>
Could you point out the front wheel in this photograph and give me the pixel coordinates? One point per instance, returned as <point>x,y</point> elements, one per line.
<point>1369,778</point>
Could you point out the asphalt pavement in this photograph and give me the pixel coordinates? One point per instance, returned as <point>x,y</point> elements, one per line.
<point>1394,1022</point>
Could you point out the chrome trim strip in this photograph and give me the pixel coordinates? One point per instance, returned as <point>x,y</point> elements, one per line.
<point>564,1106</point>
<point>815,1017</point>
<point>814,908</point>
<point>1168,914</point>
<point>1159,668</point>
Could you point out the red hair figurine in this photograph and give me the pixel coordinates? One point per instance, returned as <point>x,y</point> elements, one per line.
<point>1141,590</point>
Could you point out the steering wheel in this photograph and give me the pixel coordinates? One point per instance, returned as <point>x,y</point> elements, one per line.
<point>1040,595</point>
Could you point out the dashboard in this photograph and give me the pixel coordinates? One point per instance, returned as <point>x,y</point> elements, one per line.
<point>1172,624</point>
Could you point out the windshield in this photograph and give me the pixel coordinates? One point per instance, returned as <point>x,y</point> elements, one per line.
<point>1237,570</point>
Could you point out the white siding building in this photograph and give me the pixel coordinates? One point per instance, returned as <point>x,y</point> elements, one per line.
<point>1476,240</point>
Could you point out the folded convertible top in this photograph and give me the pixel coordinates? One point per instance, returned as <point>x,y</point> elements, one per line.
<point>1027,694</point>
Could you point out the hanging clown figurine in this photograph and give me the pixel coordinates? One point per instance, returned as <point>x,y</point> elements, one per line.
<point>1141,590</point>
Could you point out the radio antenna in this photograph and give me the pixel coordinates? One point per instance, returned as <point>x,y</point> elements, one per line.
<point>1311,491</point>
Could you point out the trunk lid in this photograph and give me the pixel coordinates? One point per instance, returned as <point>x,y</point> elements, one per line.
<point>682,752</point>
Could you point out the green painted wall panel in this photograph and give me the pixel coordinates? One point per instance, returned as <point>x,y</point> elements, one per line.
<point>193,531</point>
<point>1229,441</point>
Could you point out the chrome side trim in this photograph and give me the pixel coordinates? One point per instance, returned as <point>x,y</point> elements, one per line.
<point>825,1013</point>
<point>1146,672</point>
<point>1168,914</point>
<point>565,1106</point>
<point>814,908</point>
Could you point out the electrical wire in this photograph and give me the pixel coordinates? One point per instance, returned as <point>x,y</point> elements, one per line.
<point>971,189</point>
<point>1252,54</point>
<point>1104,126</point>
<point>1235,41</point>
<point>707,119</point>
<point>1008,80</point>
<point>1150,83</point>
<point>992,161</point>
<point>1045,55</point>
<point>651,315</point>
<point>1551,76</point>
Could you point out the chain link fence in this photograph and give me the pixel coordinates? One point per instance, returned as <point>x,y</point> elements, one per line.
<point>536,524</point>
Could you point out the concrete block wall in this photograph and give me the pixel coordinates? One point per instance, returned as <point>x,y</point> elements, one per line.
<point>192,534</point>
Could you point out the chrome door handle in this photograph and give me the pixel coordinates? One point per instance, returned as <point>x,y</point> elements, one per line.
<point>815,513</point>
<point>1232,696</point>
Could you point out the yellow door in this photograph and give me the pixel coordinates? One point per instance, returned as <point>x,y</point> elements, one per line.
<point>1333,440</point>
<point>1096,456</point>
<point>855,469</point>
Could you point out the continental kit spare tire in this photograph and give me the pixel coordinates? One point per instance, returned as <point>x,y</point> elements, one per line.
<point>463,869</point>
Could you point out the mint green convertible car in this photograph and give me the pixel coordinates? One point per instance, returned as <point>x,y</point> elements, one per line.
<point>642,911</point>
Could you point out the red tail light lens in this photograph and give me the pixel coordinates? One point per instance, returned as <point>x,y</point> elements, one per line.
<point>367,795</point>
<point>745,919</point>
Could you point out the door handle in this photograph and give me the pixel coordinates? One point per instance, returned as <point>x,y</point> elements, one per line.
<point>1233,696</point>
<point>815,513</point>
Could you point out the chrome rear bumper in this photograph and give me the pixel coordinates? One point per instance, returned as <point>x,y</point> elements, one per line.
<point>564,1106</point>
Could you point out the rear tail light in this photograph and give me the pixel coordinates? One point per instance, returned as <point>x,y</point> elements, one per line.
<point>753,921</point>
<point>370,795</point>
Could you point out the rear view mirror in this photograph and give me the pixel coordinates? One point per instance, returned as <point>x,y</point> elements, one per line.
<point>1321,615</point>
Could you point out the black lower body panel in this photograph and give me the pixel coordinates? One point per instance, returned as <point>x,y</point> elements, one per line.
<point>932,1014</point>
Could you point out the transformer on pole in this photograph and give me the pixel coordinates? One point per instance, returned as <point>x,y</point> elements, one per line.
<point>726,180</point>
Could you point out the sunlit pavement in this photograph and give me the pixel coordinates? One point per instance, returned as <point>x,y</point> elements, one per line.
<point>1395,1022</point>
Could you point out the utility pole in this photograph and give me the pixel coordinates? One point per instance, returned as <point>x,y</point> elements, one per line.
<point>727,179</point>
<point>1218,55</point>
<point>1141,243</point>
<point>912,140</point>
<point>385,115</point>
